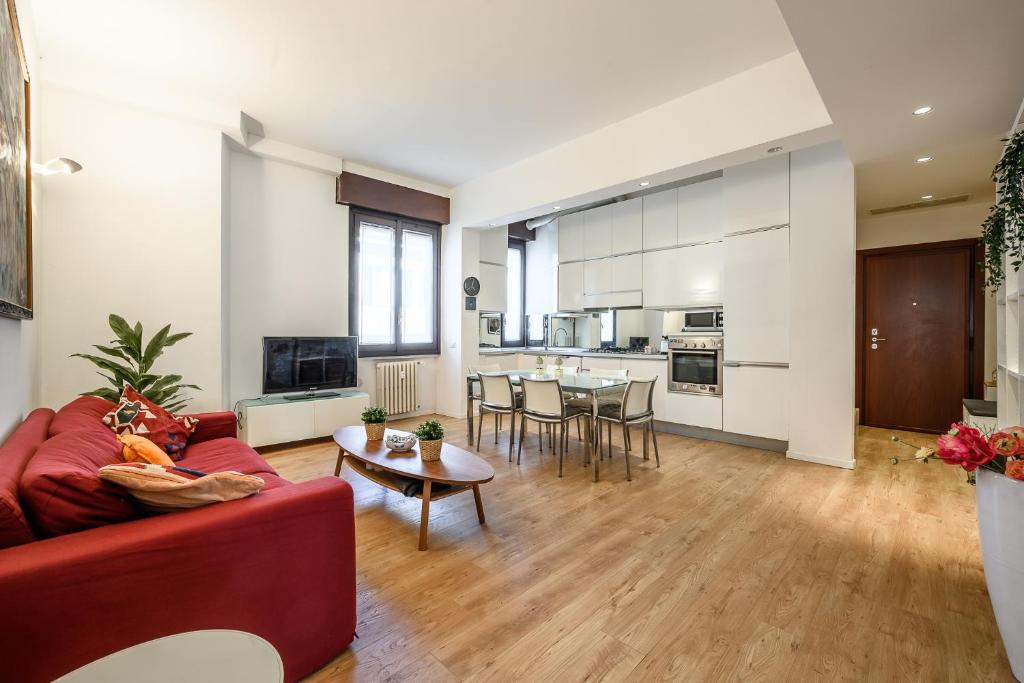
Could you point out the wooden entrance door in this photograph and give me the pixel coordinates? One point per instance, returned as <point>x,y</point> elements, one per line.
<point>920,324</point>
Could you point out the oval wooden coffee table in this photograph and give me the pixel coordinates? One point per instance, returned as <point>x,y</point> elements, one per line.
<point>458,470</point>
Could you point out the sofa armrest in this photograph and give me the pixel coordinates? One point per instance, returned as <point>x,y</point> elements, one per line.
<point>214,426</point>
<point>280,565</point>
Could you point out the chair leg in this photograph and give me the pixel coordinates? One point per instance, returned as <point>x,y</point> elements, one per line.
<point>511,433</point>
<point>551,437</point>
<point>654,438</point>
<point>625,454</point>
<point>540,437</point>
<point>647,427</point>
<point>609,440</point>
<point>522,431</point>
<point>578,435</point>
<point>561,447</point>
<point>625,437</point>
<point>479,430</point>
<point>495,428</point>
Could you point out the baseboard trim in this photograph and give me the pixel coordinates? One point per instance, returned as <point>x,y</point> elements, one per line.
<point>817,459</point>
<point>725,437</point>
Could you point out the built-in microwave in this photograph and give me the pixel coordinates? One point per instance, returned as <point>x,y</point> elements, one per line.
<point>695,365</point>
<point>704,320</point>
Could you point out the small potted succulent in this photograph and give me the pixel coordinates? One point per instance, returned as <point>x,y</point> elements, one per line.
<point>374,419</point>
<point>430,434</point>
<point>540,365</point>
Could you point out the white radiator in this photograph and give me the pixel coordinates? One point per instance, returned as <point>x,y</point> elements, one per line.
<point>396,386</point>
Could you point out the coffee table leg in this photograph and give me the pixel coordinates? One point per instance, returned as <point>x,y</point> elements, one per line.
<point>479,504</point>
<point>341,459</point>
<point>425,515</point>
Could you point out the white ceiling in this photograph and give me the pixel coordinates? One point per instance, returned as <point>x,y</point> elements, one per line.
<point>875,61</point>
<point>444,90</point>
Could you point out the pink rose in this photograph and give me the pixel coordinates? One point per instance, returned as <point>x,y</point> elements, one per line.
<point>1015,469</point>
<point>964,446</point>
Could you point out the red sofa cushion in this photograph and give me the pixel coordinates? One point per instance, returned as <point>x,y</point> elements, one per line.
<point>85,412</point>
<point>220,455</point>
<point>61,487</point>
<point>14,456</point>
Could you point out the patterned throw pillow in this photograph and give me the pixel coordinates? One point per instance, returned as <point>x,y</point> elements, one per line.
<point>136,414</point>
<point>162,489</point>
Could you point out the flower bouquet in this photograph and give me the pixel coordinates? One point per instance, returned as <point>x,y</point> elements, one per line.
<point>1001,452</point>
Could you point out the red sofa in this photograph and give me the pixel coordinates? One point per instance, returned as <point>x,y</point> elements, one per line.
<point>280,564</point>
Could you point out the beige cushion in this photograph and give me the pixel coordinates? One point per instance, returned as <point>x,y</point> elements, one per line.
<point>161,489</point>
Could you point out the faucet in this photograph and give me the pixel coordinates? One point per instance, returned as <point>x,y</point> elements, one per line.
<point>560,329</point>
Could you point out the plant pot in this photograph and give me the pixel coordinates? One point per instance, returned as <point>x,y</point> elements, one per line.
<point>1000,511</point>
<point>430,450</point>
<point>374,431</point>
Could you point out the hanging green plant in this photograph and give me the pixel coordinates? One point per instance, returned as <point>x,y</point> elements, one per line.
<point>1003,230</point>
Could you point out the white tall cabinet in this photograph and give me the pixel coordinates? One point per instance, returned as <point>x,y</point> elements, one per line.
<point>756,296</point>
<point>493,274</point>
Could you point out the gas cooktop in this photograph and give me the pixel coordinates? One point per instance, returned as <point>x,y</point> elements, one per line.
<point>615,349</point>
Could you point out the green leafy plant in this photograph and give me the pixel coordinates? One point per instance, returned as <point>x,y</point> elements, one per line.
<point>375,415</point>
<point>1003,230</point>
<point>431,430</point>
<point>127,360</point>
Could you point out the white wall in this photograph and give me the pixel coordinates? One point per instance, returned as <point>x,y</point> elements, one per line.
<point>137,232</point>
<point>822,294</point>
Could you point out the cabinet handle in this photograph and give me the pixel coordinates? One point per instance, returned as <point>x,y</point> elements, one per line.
<point>753,364</point>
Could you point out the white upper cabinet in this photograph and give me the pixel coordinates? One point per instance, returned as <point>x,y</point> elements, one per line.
<point>494,245</point>
<point>627,272</point>
<point>699,212</point>
<point>493,283</point>
<point>570,237</point>
<point>684,276</point>
<point>756,195</point>
<point>659,219</point>
<point>542,282</point>
<point>570,286</point>
<point>756,296</point>
<point>628,226</point>
<point>597,276</point>
<point>597,231</point>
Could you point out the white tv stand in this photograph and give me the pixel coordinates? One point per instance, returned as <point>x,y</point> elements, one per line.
<point>277,419</point>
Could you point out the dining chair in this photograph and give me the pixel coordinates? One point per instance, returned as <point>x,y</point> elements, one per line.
<point>544,403</point>
<point>636,409</point>
<point>611,396</point>
<point>497,397</point>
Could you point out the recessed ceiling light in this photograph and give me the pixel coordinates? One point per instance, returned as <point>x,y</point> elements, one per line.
<point>924,160</point>
<point>556,208</point>
<point>644,184</point>
<point>773,150</point>
<point>921,111</point>
<point>926,197</point>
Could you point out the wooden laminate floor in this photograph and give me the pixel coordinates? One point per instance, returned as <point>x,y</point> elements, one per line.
<point>726,563</point>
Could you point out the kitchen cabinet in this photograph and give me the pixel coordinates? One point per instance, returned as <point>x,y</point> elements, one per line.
<point>756,195</point>
<point>699,212</point>
<point>597,276</point>
<point>628,226</point>
<point>755,401</point>
<point>683,276</point>
<point>528,361</point>
<point>542,271</point>
<point>659,219</point>
<point>601,363</point>
<point>570,286</point>
<point>493,282</point>
<point>597,231</point>
<point>756,296</point>
<point>627,273</point>
<point>570,237</point>
<point>494,246</point>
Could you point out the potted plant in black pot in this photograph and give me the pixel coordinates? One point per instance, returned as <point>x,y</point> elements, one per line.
<point>430,434</point>
<point>374,419</point>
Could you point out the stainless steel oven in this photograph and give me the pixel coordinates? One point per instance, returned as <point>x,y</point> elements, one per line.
<point>695,365</point>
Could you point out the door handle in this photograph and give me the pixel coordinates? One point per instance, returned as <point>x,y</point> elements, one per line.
<point>878,339</point>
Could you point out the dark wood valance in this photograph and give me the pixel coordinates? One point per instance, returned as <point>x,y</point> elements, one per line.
<point>370,193</point>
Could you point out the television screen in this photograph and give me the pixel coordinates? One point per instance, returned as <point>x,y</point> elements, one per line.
<point>308,363</point>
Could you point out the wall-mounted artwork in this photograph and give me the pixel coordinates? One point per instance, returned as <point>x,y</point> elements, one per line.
<point>15,172</point>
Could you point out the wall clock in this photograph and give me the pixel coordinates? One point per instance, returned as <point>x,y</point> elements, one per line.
<point>471,286</point>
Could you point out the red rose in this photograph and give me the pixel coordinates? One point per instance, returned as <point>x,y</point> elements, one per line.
<point>1015,469</point>
<point>1004,444</point>
<point>964,446</point>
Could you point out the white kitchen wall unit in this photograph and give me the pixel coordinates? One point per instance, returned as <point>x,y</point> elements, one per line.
<point>699,212</point>
<point>570,237</point>
<point>755,294</point>
<point>275,419</point>
<point>683,276</point>
<point>659,220</point>
<point>493,283</point>
<point>627,273</point>
<point>597,276</point>
<point>494,246</point>
<point>628,226</point>
<point>597,231</point>
<point>755,401</point>
<point>756,195</point>
<point>542,271</point>
<point>570,286</point>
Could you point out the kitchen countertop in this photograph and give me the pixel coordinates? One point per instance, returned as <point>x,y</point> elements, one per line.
<point>582,353</point>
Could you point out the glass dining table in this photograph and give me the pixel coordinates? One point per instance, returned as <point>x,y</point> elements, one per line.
<point>573,382</point>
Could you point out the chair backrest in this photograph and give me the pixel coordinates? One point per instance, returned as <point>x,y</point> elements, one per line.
<point>566,369</point>
<point>543,397</point>
<point>608,374</point>
<point>496,390</point>
<point>639,398</point>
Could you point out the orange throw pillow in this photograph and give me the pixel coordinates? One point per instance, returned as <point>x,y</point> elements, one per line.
<point>140,449</point>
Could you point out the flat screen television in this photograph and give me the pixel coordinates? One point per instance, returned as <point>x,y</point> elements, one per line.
<point>308,364</point>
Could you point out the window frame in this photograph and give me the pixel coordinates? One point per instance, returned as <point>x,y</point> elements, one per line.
<point>615,330</point>
<point>400,224</point>
<point>520,246</point>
